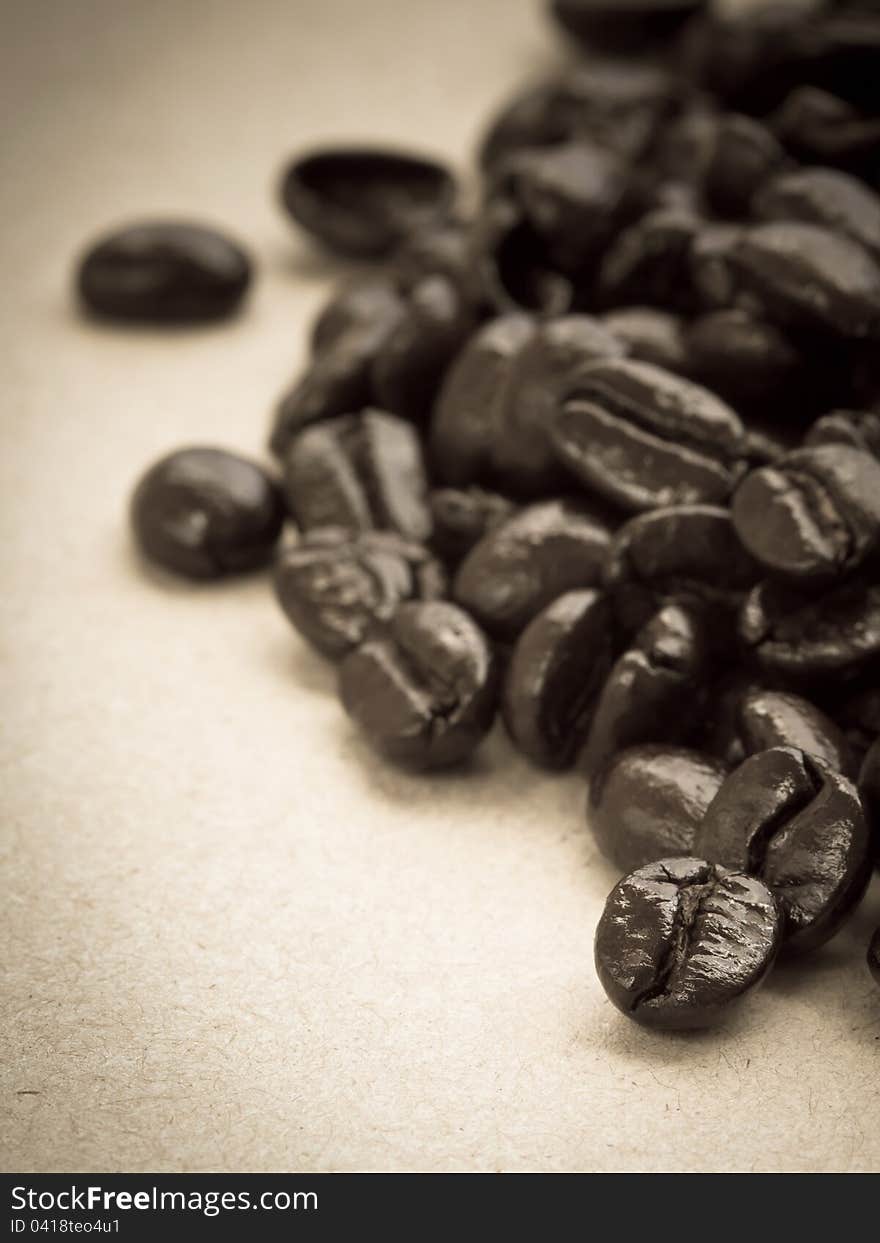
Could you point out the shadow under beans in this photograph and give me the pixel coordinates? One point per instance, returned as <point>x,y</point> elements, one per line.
<point>79,315</point>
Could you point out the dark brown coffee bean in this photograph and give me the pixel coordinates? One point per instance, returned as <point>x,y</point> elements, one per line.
<point>207,513</point>
<point>649,801</point>
<point>762,719</point>
<point>710,265</point>
<point>818,128</point>
<point>826,197</point>
<point>643,437</point>
<point>650,335</point>
<point>665,666</point>
<point>512,270</point>
<point>874,956</point>
<point>685,553</point>
<point>524,564</point>
<point>424,693</point>
<point>649,261</point>
<point>364,303</point>
<point>442,249</point>
<point>336,587</point>
<point>813,516</point>
<point>362,472</point>
<point>744,156</point>
<point>461,517</point>
<point>681,941</point>
<point>558,667</point>
<point>362,202</point>
<point>164,273</point>
<point>801,829</point>
<point>747,361</point>
<point>860,429</point>
<point>623,25</point>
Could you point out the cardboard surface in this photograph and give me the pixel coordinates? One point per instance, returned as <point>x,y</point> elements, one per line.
<point>232,940</point>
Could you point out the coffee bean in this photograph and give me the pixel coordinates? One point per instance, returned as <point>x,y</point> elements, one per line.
<point>685,553</point>
<point>665,666</point>
<point>874,956</point>
<point>810,639</point>
<point>762,719</point>
<point>423,693</point>
<point>648,262</point>
<point>461,517</point>
<point>362,202</point>
<point>826,197</point>
<point>819,128</point>
<point>558,667</point>
<point>745,360</point>
<point>643,437</point>
<point>361,472</point>
<point>813,516</point>
<point>521,566</point>
<point>650,335</point>
<point>858,715</point>
<point>648,802</point>
<point>336,587</point>
<point>681,941</point>
<point>623,25</point>
<point>442,249</point>
<point>801,829</point>
<point>362,303</point>
<point>164,273</point>
<point>860,429</point>
<point>710,265</point>
<point>745,154</point>
<point>512,269</point>
<point>869,790</point>
<point>207,513</point>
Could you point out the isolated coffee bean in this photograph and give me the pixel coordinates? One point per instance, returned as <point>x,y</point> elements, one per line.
<point>362,202</point>
<point>665,666</point>
<point>874,956</point>
<point>801,829</point>
<point>643,437</point>
<point>650,336</point>
<point>623,25</point>
<point>745,360</point>
<point>813,516</point>
<point>424,693</point>
<point>207,513</point>
<point>336,587</point>
<point>860,429</point>
<point>805,276</point>
<point>762,719</point>
<point>521,566</point>
<point>557,669</point>
<point>823,196</point>
<point>681,941</point>
<point>684,553</point>
<point>362,472</point>
<point>460,517</point>
<point>164,273</point>
<point>648,802</point>
<point>810,639</point>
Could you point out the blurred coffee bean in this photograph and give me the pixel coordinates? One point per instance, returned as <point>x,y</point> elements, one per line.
<point>859,429</point>
<point>512,269</point>
<point>649,262</point>
<point>823,196</point>
<point>461,517</point>
<point>745,155</point>
<point>746,360</point>
<point>818,128</point>
<point>442,249</point>
<point>623,25</point>
<point>710,265</point>
<point>557,669</point>
<point>650,336</point>
<point>363,303</point>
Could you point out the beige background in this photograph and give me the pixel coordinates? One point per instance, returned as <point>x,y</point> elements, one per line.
<point>231,939</point>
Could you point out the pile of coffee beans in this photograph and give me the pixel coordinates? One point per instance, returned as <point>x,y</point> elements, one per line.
<point>601,457</point>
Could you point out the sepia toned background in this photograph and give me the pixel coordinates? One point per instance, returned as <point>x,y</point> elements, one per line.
<point>232,940</point>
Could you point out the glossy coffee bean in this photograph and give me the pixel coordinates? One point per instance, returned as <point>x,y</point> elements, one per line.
<point>681,941</point>
<point>362,472</point>
<point>423,693</point>
<point>643,437</point>
<point>336,587</point>
<point>874,956</point>
<point>462,516</point>
<point>524,564</point>
<point>801,829</point>
<point>650,335</point>
<point>761,719</point>
<point>558,667</point>
<point>810,639</point>
<point>860,429</point>
<point>164,273</point>
<point>623,25</point>
<point>823,196</point>
<point>649,801</point>
<point>684,553</point>
<point>665,666</point>
<point>745,360</point>
<point>813,516</point>
<point>206,513</point>
<point>360,202</point>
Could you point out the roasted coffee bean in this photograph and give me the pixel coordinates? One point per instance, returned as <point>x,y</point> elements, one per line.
<point>442,249</point>
<point>207,513</point>
<point>765,445</point>
<point>869,790</point>
<point>524,564</point>
<point>685,553</point>
<point>363,303</point>
<point>462,516</point>
<point>623,25</point>
<point>410,364</point>
<point>649,261</point>
<point>362,472</point>
<point>813,516</point>
<point>164,273</point>
<point>643,437</point>
<point>362,202</point>
<point>558,667</point>
<point>762,719</point>
<point>809,639</point>
<point>423,693</point>
<point>336,587</point>
<point>710,265</point>
<point>818,128</point>
<point>858,715</point>
<point>744,156</point>
<point>681,941</point>
<point>745,360</point>
<point>648,802</point>
<point>826,197</point>
<point>860,429</point>
<point>650,335</point>
<point>805,276</point>
<point>512,270</point>
<point>496,407</point>
<point>801,829</point>
<point>665,666</point>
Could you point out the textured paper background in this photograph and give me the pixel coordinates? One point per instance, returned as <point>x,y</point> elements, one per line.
<point>231,939</point>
